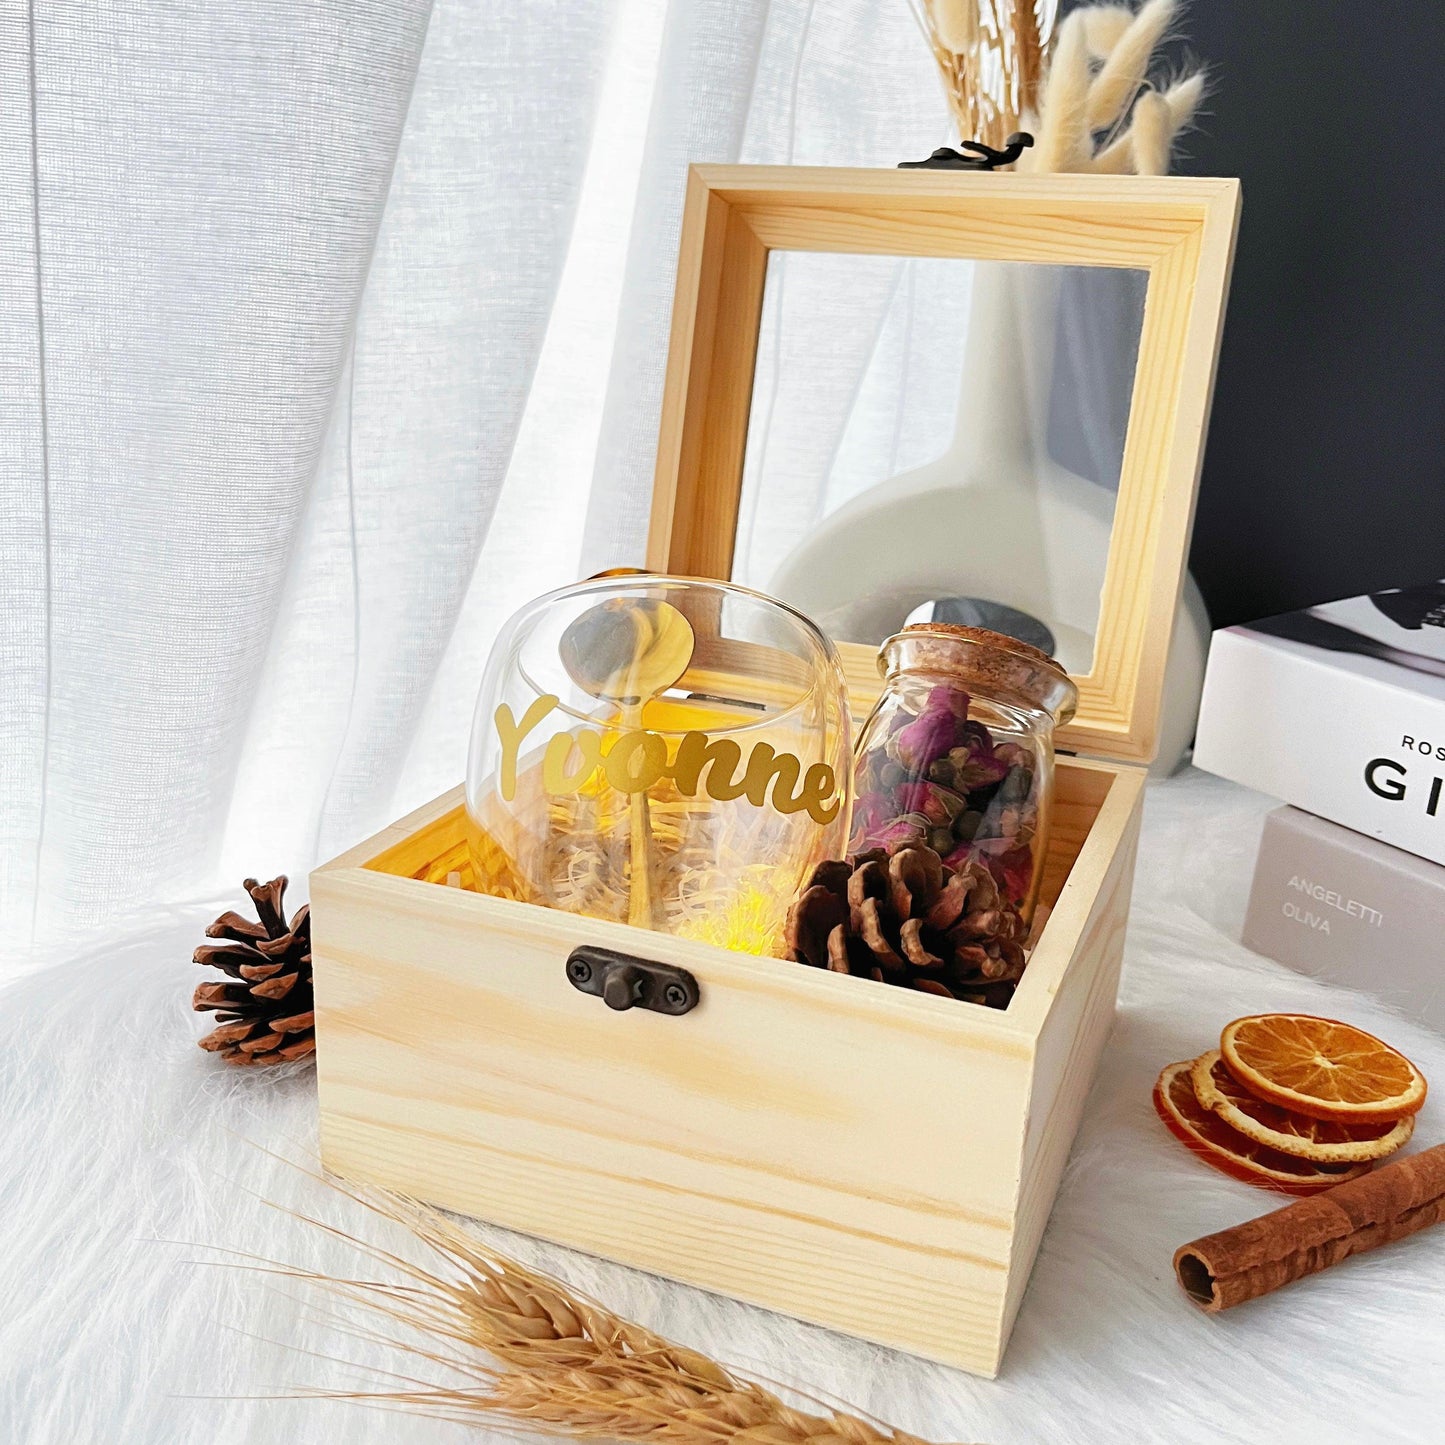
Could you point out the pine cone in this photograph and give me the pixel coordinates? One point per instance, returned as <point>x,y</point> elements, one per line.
<point>906,917</point>
<point>267,1015</point>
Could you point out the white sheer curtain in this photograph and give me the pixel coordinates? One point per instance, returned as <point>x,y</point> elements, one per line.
<point>314,320</point>
<point>806,82</point>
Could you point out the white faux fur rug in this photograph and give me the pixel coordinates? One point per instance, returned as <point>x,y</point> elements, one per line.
<point>124,1147</point>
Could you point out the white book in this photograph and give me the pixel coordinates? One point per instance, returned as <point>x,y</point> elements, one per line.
<point>1340,710</point>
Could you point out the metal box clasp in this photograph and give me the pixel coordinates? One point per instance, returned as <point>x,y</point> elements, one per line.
<point>623,981</point>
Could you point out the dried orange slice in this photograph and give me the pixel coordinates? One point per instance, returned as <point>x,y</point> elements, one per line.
<point>1324,1141</point>
<point>1322,1068</point>
<point>1208,1136</point>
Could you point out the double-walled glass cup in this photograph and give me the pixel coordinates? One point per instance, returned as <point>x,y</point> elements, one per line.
<point>661,751</point>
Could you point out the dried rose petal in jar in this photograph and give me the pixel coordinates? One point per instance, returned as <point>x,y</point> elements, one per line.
<point>958,753</point>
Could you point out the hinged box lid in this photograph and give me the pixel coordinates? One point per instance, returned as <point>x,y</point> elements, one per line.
<point>1178,231</point>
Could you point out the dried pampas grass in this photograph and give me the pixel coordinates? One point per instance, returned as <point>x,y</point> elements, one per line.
<point>525,1352</point>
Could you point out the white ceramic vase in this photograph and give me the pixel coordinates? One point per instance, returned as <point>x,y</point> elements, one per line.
<point>994,516</point>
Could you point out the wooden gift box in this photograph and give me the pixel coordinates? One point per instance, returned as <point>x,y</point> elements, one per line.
<point>859,1155</point>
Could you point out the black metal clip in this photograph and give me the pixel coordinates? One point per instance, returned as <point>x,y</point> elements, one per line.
<point>623,981</point>
<point>981,157</point>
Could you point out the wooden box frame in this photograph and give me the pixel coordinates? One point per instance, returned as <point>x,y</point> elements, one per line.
<point>1179,230</point>
<point>873,1159</point>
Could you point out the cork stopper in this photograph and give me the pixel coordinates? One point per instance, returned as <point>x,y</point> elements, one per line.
<point>993,639</point>
<point>982,662</point>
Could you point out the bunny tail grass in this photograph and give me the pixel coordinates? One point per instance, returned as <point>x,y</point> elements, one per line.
<point>1065,100</point>
<point>1104,27</point>
<point>1116,159</point>
<point>1123,72</point>
<point>1147,146</point>
<point>1098,92</point>
<point>1151,134</point>
<point>956,24</point>
<point>525,1352</point>
<point>1183,99</point>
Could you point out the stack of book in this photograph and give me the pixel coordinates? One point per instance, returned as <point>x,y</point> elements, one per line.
<point>1339,711</point>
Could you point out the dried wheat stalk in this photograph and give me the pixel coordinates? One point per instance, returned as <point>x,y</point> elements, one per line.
<point>990,56</point>
<point>531,1354</point>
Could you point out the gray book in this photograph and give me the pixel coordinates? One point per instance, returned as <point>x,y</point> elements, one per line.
<point>1349,909</point>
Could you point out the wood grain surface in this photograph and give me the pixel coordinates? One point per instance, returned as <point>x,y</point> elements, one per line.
<point>863,1156</point>
<point>1181,230</point>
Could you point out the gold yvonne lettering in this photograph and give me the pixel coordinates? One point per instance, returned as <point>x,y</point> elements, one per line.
<point>511,732</point>
<point>764,765</point>
<point>638,759</point>
<point>819,785</point>
<point>555,777</point>
<point>720,756</point>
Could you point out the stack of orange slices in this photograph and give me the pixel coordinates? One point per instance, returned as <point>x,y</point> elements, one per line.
<point>1292,1102</point>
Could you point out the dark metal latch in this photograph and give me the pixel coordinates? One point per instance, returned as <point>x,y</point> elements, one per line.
<point>623,981</point>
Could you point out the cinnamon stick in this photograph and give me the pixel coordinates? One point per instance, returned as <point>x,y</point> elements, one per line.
<point>1227,1269</point>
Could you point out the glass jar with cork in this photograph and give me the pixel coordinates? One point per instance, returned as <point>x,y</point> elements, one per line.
<point>958,752</point>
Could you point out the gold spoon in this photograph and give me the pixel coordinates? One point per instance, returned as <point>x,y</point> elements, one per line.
<point>626,651</point>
